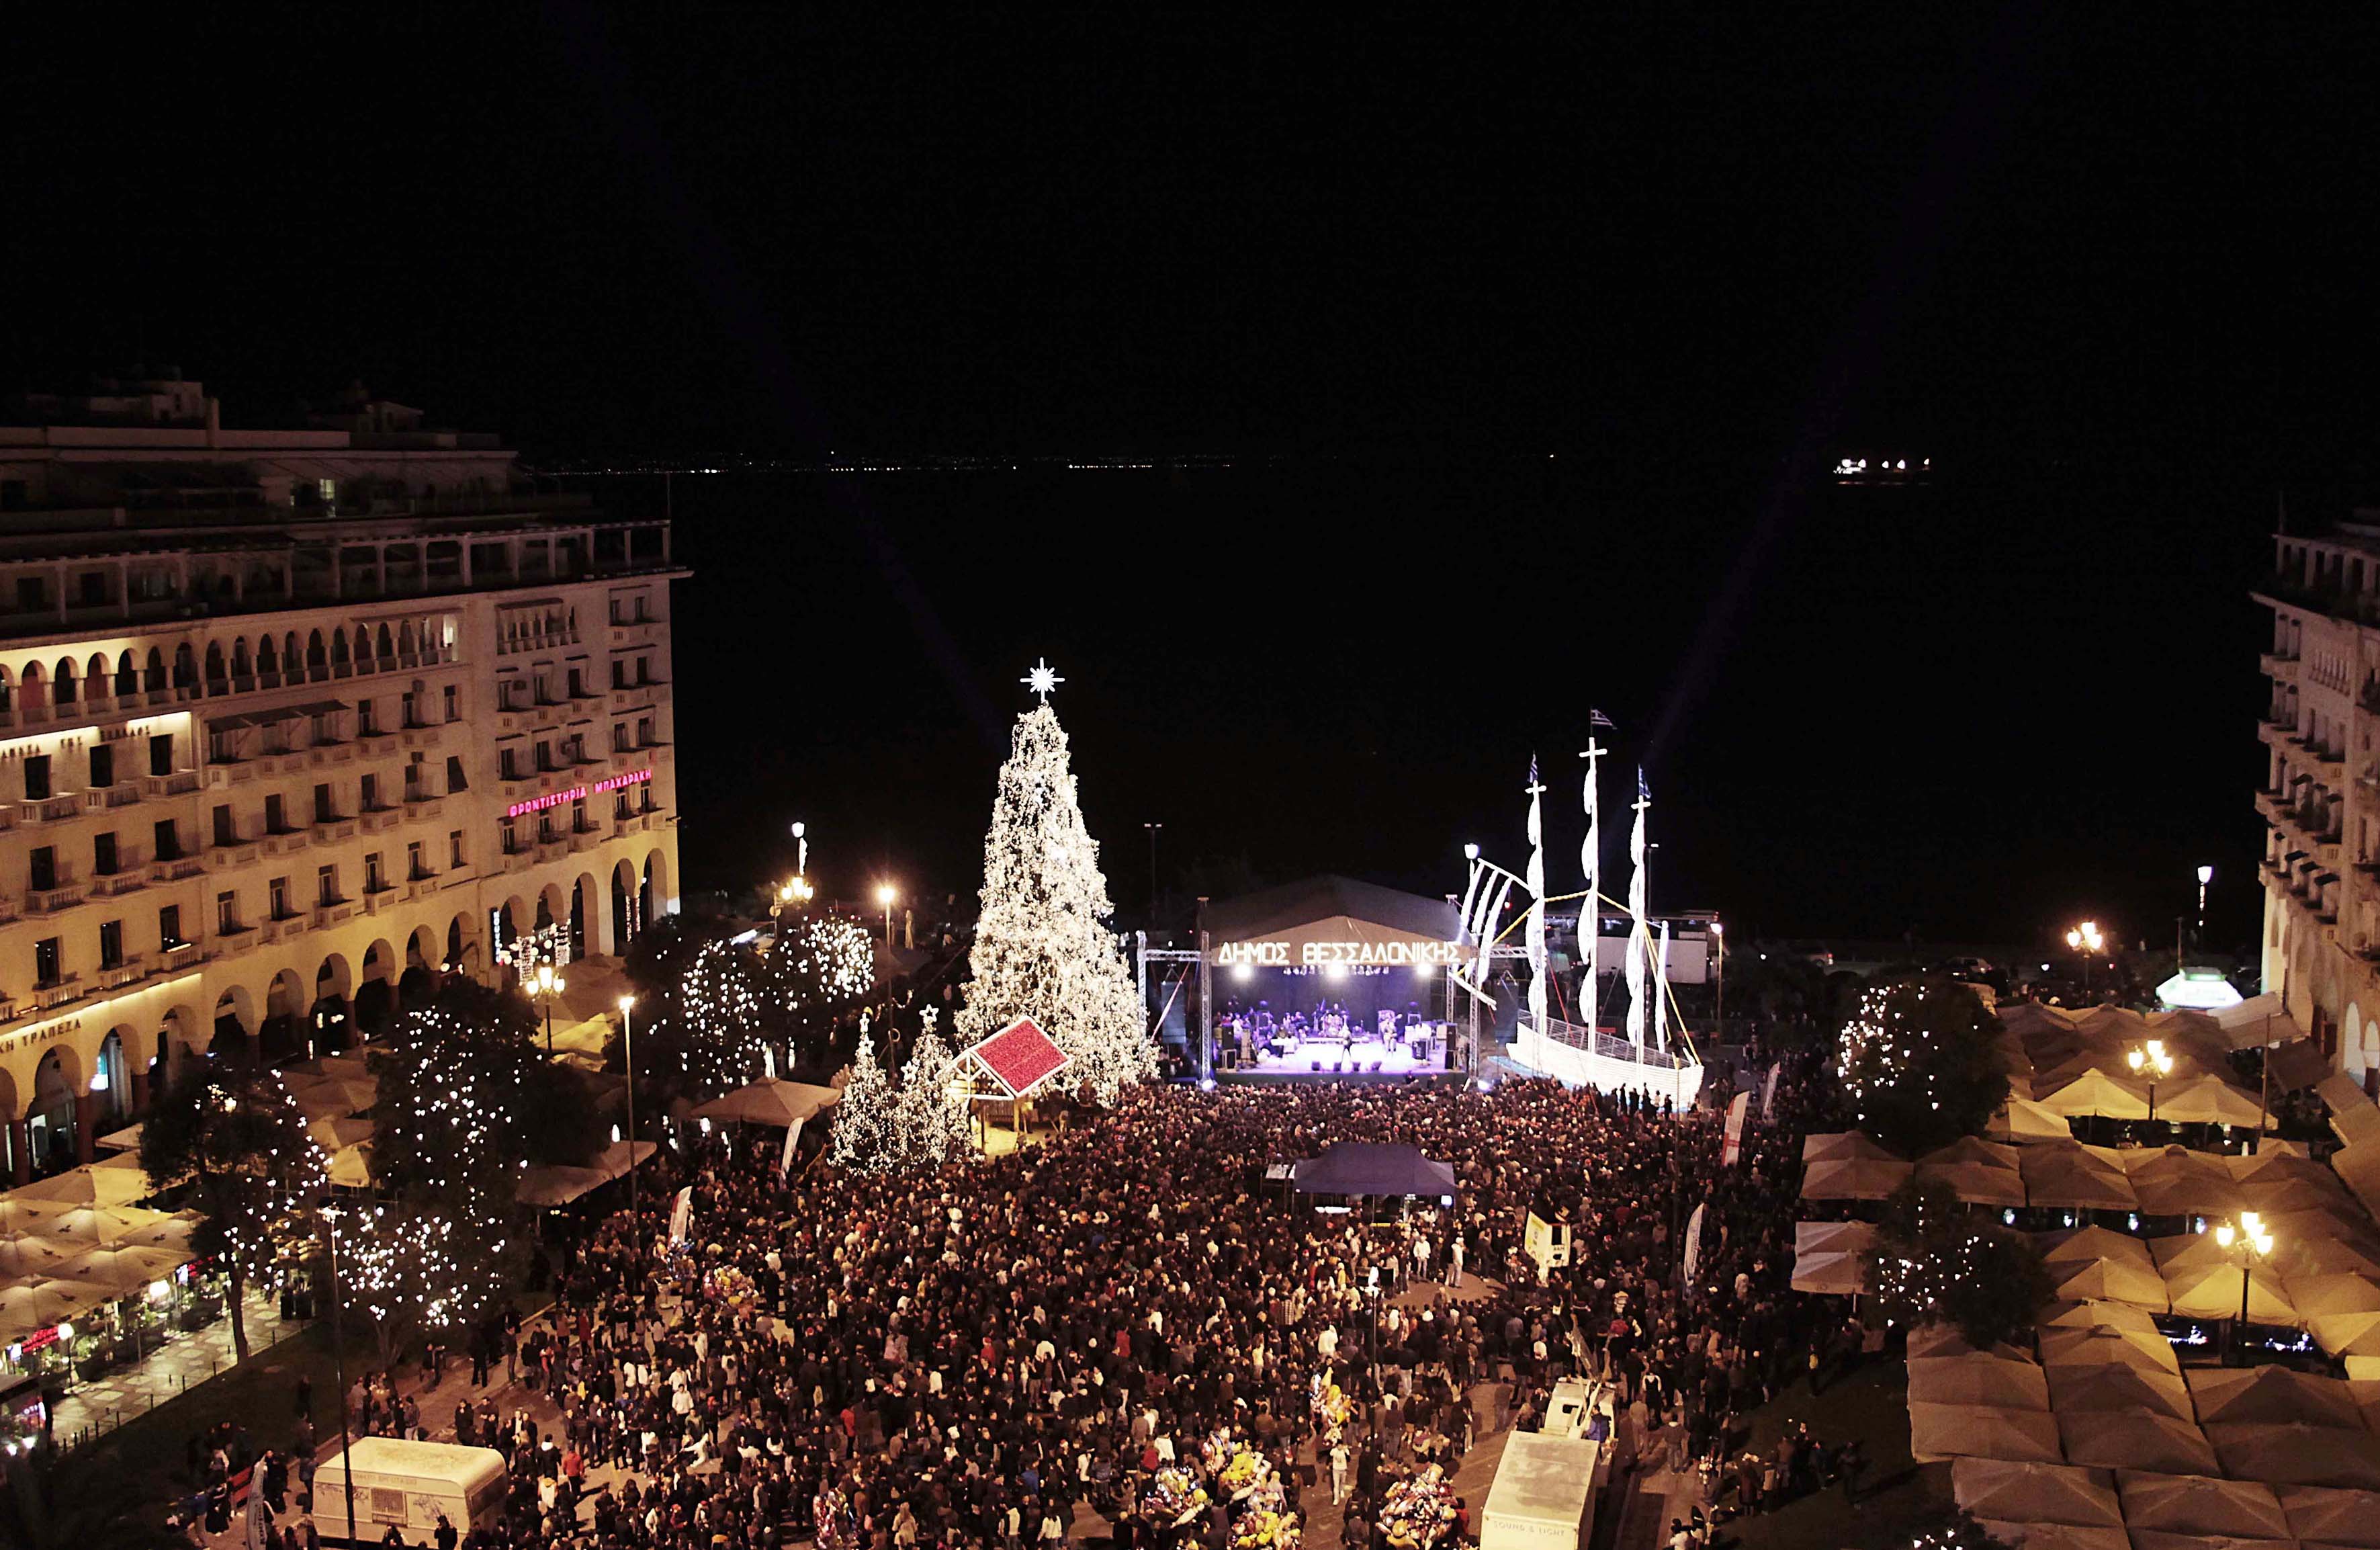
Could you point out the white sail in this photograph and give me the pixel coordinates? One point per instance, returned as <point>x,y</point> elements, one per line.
<point>1639,942</point>
<point>1661,993</point>
<point>1590,856</point>
<point>1535,883</point>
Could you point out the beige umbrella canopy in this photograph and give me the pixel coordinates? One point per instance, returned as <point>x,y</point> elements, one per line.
<point>2118,1389</point>
<point>129,1226</point>
<point>2272,1393</point>
<point>2340,1292</point>
<point>2095,1314</point>
<point>2188,1251</point>
<point>2021,1119</point>
<point>2094,1092</point>
<point>1977,1183</point>
<point>2084,1244</point>
<point>1830,1273</point>
<point>1853,1179</point>
<point>2109,1281</point>
<point>2070,1173</point>
<point>2160,1539</point>
<point>89,1186</point>
<point>1938,1338</point>
<point>331,1097</point>
<point>2196,1504</point>
<point>1831,1238</point>
<point>2325,1515</point>
<point>2297,1454</point>
<point>2035,1493</point>
<point>27,1215</point>
<point>2213,1293</point>
<point>2208,1100</point>
<point>2297,1256</point>
<point>333,1131</point>
<point>1939,1432</point>
<point>1845,1146</point>
<point>2055,1536</point>
<point>2098,1347</point>
<point>124,1271</point>
<point>37,1304</point>
<point>2346,1335</point>
<point>26,1256</point>
<point>771,1101</point>
<point>2171,1181</point>
<point>2134,1440</point>
<point>1978,1379</point>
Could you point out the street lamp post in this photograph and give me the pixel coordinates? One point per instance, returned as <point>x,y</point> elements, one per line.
<point>2254,1242</point>
<point>339,1366</point>
<point>2205,875</point>
<point>2087,940</point>
<point>885,895</point>
<point>544,984</point>
<point>1719,940</point>
<point>2151,1061</point>
<point>628,1053</point>
<point>1152,829</point>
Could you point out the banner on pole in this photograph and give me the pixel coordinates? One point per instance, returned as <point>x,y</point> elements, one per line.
<point>1735,1112</point>
<point>682,1215</point>
<point>793,1134</point>
<point>1694,1245</point>
<point>1768,1093</point>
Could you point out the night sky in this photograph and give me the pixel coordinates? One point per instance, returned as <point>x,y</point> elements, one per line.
<point>1514,363</point>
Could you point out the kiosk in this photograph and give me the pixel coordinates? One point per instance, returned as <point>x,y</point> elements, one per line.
<point>1543,1498</point>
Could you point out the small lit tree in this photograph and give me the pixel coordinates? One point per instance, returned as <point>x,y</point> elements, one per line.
<point>935,1103</point>
<point>1918,1065</point>
<point>241,1139</point>
<point>1933,1260</point>
<point>866,1119</point>
<point>724,1026</point>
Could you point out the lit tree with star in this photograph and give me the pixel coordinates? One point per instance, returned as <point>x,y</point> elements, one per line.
<point>867,1118</point>
<point>937,1099</point>
<point>1042,947</point>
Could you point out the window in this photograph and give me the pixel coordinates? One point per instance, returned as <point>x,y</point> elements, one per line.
<point>325,728</point>
<point>453,704</point>
<point>369,798</point>
<point>160,754</point>
<point>455,848</point>
<point>544,755</point>
<point>455,781</point>
<point>326,886</point>
<point>227,914</point>
<point>48,965</point>
<point>373,882</point>
<point>644,731</point>
<point>621,807</point>
<point>578,823</point>
<point>93,586</point>
<point>619,736</point>
<point>412,709</point>
<point>37,777</point>
<point>43,868</point>
<point>102,855</point>
<point>111,944</point>
<point>168,834</point>
<point>326,810</point>
<point>367,718</point>
<point>619,674</point>
<point>169,928</point>
<point>578,683</point>
<point>276,816</point>
<point>414,870</point>
<point>277,896</point>
<point>512,837</point>
<point>412,792</point>
<point>29,593</point>
<point>507,764</point>
<point>545,826</point>
<point>227,828</point>
<point>102,764</point>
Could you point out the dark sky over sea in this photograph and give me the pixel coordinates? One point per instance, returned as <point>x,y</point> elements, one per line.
<point>1527,350</point>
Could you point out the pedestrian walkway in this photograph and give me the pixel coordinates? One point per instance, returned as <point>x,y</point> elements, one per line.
<point>126,1394</point>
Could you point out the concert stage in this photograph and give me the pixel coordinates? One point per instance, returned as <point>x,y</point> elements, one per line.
<point>1325,1061</point>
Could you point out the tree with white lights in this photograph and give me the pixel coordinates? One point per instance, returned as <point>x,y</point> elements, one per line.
<point>1042,947</point>
<point>1934,1260</point>
<point>866,1119</point>
<point>820,968</point>
<point>936,1103</point>
<point>1919,1063</point>
<point>240,1137</point>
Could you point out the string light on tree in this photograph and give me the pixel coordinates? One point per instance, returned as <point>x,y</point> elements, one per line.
<point>1919,1063</point>
<point>867,1131</point>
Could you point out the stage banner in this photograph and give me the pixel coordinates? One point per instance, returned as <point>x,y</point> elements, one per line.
<point>1694,1246</point>
<point>1735,1112</point>
<point>682,1215</point>
<point>1769,1092</point>
<point>793,1134</point>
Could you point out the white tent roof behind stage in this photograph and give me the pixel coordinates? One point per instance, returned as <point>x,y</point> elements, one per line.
<point>1331,909</point>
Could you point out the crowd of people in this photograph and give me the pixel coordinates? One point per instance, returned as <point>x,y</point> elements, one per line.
<point>1103,1323</point>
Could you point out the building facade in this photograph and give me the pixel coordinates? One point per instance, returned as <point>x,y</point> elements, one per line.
<point>292,723</point>
<point>2321,797</point>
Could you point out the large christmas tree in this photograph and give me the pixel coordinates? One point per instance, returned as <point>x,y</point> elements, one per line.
<point>1042,947</point>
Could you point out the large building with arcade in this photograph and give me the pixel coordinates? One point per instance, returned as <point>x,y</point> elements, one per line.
<point>292,723</point>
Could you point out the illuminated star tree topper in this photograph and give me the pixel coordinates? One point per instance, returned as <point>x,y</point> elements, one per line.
<point>1041,680</point>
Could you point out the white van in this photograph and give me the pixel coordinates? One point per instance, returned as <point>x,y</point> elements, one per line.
<point>407,1485</point>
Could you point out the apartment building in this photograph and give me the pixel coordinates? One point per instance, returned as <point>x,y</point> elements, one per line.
<point>292,723</point>
<point>2321,797</point>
